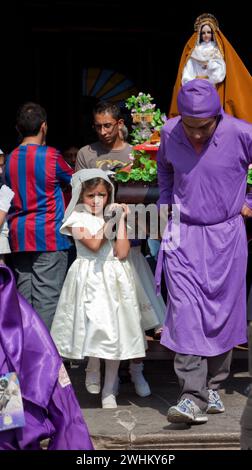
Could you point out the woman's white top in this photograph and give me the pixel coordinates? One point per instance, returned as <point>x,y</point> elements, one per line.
<point>206,62</point>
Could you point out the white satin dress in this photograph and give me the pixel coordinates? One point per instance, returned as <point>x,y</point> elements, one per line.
<point>98,312</point>
<point>206,62</point>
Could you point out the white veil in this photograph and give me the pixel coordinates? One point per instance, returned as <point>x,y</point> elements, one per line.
<point>76,182</point>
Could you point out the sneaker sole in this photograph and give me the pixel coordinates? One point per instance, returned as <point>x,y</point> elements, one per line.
<point>214,411</point>
<point>177,417</point>
<point>94,389</point>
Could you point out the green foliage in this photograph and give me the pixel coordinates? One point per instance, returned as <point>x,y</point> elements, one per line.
<point>146,120</point>
<point>142,106</point>
<point>158,120</point>
<point>249,177</point>
<point>143,169</point>
<point>140,103</point>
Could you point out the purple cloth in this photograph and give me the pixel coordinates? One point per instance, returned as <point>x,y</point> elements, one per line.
<point>205,275</point>
<point>50,406</point>
<point>198,99</point>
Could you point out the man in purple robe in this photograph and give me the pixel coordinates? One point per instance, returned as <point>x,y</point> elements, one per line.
<point>202,166</point>
<point>51,410</point>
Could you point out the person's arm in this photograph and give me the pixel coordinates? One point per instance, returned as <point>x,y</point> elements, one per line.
<point>80,163</point>
<point>2,217</point>
<point>63,171</point>
<point>216,70</point>
<point>189,73</point>
<point>247,207</point>
<point>92,242</point>
<point>165,174</point>
<point>246,211</point>
<point>6,196</point>
<point>122,244</point>
<point>165,184</point>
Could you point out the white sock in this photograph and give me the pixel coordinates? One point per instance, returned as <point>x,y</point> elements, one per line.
<point>93,368</point>
<point>93,364</point>
<point>136,371</point>
<point>111,371</point>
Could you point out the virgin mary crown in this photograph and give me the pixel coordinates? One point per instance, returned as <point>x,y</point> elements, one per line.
<point>206,18</point>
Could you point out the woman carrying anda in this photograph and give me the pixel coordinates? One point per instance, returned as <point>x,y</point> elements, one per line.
<point>209,55</point>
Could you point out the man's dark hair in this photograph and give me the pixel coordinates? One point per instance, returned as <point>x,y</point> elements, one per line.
<point>30,116</point>
<point>107,107</point>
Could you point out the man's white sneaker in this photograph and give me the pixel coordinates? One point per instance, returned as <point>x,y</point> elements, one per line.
<point>215,404</point>
<point>186,411</point>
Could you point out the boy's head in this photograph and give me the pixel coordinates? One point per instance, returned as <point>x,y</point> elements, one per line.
<point>108,122</point>
<point>30,118</point>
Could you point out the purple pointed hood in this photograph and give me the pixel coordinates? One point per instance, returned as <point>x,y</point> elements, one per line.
<point>199,98</point>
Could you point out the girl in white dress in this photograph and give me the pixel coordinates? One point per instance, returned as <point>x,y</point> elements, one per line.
<point>98,313</point>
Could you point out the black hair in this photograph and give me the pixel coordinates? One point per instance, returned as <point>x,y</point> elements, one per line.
<point>30,116</point>
<point>92,183</point>
<point>107,107</point>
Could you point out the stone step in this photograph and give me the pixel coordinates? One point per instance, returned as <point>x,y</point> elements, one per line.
<point>204,441</point>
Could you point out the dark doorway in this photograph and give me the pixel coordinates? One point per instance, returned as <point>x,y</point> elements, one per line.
<point>51,42</point>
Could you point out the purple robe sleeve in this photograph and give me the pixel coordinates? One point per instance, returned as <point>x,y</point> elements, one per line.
<point>165,175</point>
<point>248,198</point>
<point>65,414</point>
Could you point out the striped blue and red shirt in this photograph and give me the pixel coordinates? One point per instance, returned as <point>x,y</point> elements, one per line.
<point>36,174</point>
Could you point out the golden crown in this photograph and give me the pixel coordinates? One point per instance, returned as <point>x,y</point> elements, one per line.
<point>206,18</point>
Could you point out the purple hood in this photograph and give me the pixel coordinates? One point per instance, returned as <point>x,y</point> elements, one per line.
<point>199,99</point>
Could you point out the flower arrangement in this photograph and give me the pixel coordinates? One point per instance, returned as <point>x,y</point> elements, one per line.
<point>145,117</point>
<point>147,122</point>
<point>140,104</point>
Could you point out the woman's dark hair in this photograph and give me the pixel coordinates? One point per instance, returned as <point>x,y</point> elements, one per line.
<point>92,183</point>
<point>212,35</point>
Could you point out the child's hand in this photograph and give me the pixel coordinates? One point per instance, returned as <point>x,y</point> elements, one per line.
<point>116,211</point>
<point>126,210</point>
<point>113,211</point>
<point>246,211</point>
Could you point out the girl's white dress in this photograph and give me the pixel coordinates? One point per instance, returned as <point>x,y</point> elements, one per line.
<point>152,307</point>
<point>98,313</point>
